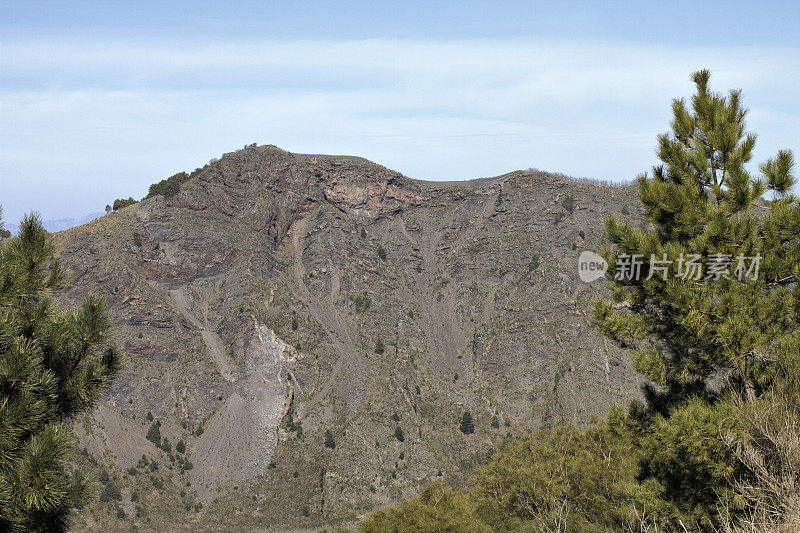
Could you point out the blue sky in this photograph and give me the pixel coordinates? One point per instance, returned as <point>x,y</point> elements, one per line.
<point>100,99</point>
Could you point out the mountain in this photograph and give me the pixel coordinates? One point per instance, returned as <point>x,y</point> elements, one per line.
<point>285,313</point>
<point>61,224</point>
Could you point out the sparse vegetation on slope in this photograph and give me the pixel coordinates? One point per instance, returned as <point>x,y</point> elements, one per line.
<point>700,454</point>
<point>207,304</point>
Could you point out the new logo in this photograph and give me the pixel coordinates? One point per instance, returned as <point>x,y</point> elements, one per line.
<point>591,266</point>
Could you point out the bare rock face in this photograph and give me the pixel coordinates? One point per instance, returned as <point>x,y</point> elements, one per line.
<point>280,296</point>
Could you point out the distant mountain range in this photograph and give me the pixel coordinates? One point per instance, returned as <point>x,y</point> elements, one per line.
<point>59,225</point>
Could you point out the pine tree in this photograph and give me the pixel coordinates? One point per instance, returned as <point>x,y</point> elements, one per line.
<point>466,425</point>
<point>720,318</point>
<point>329,442</point>
<point>154,434</point>
<point>398,434</point>
<point>53,366</point>
<point>703,202</point>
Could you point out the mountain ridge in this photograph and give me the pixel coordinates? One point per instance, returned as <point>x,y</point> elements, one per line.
<point>277,291</point>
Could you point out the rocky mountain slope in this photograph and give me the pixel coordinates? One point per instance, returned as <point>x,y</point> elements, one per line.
<point>281,297</point>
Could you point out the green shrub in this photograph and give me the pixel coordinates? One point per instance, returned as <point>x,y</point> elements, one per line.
<point>168,187</point>
<point>437,508</point>
<point>154,434</point>
<point>119,203</point>
<point>534,263</point>
<point>110,492</point>
<point>568,203</point>
<point>686,467</point>
<point>362,303</point>
<point>466,426</point>
<point>329,442</point>
<point>552,472</point>
<point>171,186</point>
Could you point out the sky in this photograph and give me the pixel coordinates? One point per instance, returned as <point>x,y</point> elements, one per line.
<point>100,99</point>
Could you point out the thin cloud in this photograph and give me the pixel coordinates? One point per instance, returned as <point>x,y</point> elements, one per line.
<point>89,121</point>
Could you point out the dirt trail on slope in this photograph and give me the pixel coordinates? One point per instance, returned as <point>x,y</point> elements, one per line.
<point>250,419</point>
<point>210,338</point>
<point>447,336</point>
<point>240,439</point>
<point>335,326</point>
<point>438,314</point>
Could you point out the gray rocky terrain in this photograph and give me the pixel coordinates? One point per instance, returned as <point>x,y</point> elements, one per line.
<point>280,296</point>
